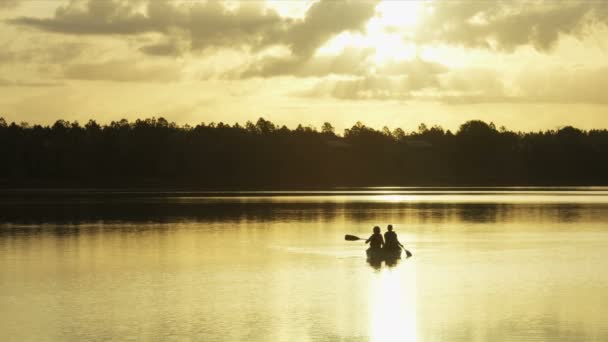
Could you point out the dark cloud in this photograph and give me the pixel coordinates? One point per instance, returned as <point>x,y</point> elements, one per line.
<point>208,24</point>
<point>97,17</point>
<point>204,24</point>
<point>9,4</point>
<point>213,25</point>
<point>506,25</point>
<point>323,20</point>
<point>122,71</point>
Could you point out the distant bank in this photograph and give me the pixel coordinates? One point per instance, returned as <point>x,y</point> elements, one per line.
<point>157,154</point>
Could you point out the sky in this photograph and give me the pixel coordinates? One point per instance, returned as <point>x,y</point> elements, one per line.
<point>527,65</point>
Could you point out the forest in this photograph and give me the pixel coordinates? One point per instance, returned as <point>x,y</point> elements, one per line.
<point>156,153</point>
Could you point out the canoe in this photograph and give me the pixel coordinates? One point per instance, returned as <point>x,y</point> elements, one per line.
<point>383,254</point>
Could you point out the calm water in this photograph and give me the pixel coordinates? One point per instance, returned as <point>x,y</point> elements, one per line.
<point>489,265</point>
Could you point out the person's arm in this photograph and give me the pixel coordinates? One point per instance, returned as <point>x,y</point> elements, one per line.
<point>381,241</point>
<point>369,239</point>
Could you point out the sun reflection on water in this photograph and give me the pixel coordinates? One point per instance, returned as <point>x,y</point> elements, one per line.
<point>395,198</point>
<point>393,307</point>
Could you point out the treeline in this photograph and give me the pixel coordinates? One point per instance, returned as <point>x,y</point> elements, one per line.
<point>155,152</point>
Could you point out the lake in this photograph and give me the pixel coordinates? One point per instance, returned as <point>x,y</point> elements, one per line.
<point>495,264</point>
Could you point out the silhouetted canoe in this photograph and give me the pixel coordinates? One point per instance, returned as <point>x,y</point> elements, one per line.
<point>383,254</point>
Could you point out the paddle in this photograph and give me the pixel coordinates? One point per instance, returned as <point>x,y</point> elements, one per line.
<point>348,237</point>
<point>352,238</point>
<point>407,253</point>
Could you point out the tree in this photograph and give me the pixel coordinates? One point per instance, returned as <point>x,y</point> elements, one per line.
<point>264,126</point>
<point>476,128</point>
<point>387,132</point>
<point>422,128</point>
<point>157,152</point>
<point>327,129</point>
<point>398,133</point>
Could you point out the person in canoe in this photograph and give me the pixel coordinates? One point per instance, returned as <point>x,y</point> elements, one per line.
<point>390,239</point>
<point>375,240</point>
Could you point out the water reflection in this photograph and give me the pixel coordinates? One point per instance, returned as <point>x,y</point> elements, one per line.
<point>378,264</point>
<point>393,306</point>
<point>168,268</point>
<point>154,210</point>
<point>381,258</point>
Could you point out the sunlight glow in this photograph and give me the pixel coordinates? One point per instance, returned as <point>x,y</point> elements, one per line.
<point>393,315</point>
<point>396,198</point>
<point>386,46</point>
<point>384,33</point>
<point>400,13</point>
<point>291,9</point>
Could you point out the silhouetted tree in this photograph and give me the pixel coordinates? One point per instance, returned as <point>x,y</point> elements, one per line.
<point>328,129</point>
<point>156,152</point>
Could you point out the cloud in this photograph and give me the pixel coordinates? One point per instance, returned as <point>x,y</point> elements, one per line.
<point>205,24</point>
<point>366,88</point>
<point>21,83</point>
<point>198,26</point>
<point>6,56</point>
<point>208,24</point>
<point>532,86</point>
<point>420,73</point>
<point>565,86</point>
<point>323,20</point>
<point>9,4</point>
<point>213,25</point>
<point>39,52</point>
<point>97,17</point>
<point>393,80</point>
<point>471,85</point>
<point>305,36</point>
<point>172,46</point>
<point>477,86</point>
<point>122,71</point>
<point>371,87</point>
<point>350,61</point>
<point>506,25</point>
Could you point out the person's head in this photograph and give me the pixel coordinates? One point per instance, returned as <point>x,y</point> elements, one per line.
<point>390,227</point>
<point>376,230</point>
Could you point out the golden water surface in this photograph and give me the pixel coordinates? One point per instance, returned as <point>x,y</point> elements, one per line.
<point>489,265</point>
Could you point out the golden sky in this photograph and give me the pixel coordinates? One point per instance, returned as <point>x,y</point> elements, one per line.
<point>527,65</point>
